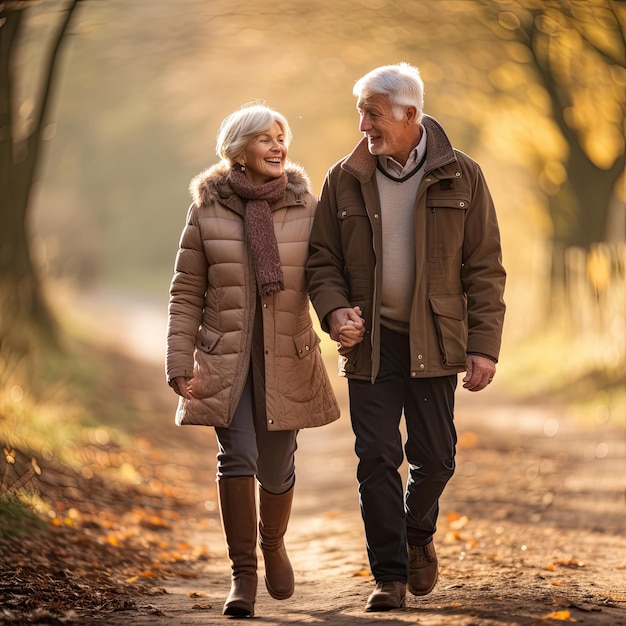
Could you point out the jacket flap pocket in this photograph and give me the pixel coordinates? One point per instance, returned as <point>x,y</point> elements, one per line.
<point>449,306</point>
<point>458,201</point>
<point>306,342</point>
<point>350,209</point>
<point>207,339</point>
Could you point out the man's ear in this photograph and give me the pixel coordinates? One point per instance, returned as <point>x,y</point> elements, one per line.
<point>410,115</point>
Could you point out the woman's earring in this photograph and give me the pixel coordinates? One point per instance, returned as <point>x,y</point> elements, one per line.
<point>243,167</point>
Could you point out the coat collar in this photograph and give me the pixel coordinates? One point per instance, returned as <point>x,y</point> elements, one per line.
<point>212,184</point>
<point>439,152</point>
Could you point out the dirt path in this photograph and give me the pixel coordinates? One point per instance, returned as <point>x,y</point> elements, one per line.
<point>531,531</point>
<point>531,527</point>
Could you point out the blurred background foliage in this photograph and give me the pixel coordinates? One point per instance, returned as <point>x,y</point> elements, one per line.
<point>534,90</point>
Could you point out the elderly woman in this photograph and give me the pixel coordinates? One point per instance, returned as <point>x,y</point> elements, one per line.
<point>242,353</point>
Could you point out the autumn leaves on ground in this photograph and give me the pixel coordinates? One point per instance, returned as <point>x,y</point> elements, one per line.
<point>121,524</point>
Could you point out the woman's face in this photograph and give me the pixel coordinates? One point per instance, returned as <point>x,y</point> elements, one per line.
<point>265,155</point>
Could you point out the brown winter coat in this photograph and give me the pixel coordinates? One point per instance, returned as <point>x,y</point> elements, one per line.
<point>457,301</point>
<point>213,301</point>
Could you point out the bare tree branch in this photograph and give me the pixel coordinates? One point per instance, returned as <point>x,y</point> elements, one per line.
<point>34,141</point>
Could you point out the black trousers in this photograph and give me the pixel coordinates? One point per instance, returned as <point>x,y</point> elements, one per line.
<point>392,516</point>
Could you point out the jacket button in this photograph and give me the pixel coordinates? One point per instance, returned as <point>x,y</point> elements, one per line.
<point>375,216</point>
<point>420,357</point>
<point>414,374</point>
<point>344,213</point>
<point>270,421</point>
<point>422,366</point>
<point>458,174</point>
<point>461,204</point>
<point>265,305</point>
<point>307,348</point>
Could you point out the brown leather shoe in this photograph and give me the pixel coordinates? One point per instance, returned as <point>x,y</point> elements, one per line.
<point>387,596</point>
<point>423,569</point>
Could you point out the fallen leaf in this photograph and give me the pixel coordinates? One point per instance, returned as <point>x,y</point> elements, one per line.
<point>459,523</point>
<point>467,439</point>
<point>561,616</point>
<point>362,572</point>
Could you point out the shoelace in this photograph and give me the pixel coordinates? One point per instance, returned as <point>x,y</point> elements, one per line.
<point>419,554</point>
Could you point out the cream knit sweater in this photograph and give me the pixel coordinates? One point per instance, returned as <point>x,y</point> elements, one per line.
<point>397,200</point>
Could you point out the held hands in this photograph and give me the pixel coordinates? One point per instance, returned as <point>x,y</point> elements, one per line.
<point>182,387</point>
<point>480,372</point>
<point>347,327</point>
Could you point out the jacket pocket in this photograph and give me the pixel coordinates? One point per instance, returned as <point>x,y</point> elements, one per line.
<point>208,339</point>
<point>446,215</point>
<point>208,377</point>
<point>356,234</point>
<point>450,318</point>
<point>350,208</point>
<point>306,342</point>
<point>299,375</point>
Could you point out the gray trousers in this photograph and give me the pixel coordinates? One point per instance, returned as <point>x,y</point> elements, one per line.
<point>248,448</point>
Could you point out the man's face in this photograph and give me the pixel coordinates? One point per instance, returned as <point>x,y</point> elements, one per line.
<point>385,133</point>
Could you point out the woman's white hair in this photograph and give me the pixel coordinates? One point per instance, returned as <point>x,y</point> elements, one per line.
<point>402,83</point>
<point>240,127</point>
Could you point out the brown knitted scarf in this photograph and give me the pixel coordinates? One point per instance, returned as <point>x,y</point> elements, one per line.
<point>260,228</point>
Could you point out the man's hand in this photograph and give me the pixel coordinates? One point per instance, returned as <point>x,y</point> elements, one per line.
<point>182,387</point>
<point>480,372</point>
<point>346,327</point>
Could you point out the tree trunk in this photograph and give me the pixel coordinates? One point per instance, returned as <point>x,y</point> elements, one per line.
<point>24,312</point>
<point>593,190</point>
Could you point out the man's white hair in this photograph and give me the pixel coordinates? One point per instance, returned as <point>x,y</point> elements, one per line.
<point>402,83</point>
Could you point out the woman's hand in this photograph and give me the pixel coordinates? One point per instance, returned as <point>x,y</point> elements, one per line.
<point>182,387</point>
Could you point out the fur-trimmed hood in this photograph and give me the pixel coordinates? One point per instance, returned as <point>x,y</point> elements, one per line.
<point>213,182</point>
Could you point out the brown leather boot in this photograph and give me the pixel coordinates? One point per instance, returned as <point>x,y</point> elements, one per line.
<point>423,569</point>
<point>238,510</point>
<point>274,512</point>
<point>387,596</point>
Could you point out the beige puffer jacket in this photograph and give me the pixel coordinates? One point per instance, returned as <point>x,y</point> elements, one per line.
<point>213,299</point>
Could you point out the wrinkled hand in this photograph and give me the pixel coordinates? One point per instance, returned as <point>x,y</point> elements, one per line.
<point>480,372</point>
<point>182,387</point>
<point>347,327</point>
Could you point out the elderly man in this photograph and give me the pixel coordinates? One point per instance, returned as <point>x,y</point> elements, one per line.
<point>405,273</point>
